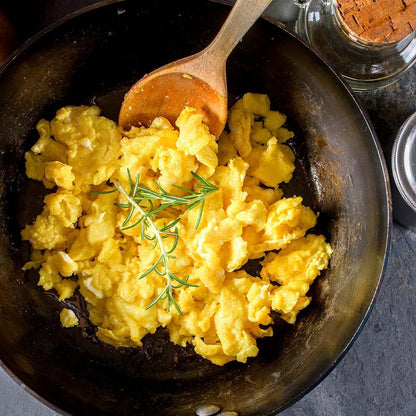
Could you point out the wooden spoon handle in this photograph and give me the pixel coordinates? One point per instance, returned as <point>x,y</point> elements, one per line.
<point>209,64</point>
<point>239,21</point>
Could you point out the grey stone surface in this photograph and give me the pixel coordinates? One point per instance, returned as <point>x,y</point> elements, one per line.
<point>378,374</point>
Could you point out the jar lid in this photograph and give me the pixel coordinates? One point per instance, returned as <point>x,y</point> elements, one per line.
<point>404,162</point>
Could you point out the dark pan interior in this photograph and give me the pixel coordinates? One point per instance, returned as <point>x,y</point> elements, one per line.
<point>95,57</point>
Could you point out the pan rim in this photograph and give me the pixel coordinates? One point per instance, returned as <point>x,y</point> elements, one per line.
<point>381,162</point>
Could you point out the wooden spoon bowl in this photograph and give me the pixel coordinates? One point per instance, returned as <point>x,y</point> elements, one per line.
<point>198,81</point>
<point>167,93</point>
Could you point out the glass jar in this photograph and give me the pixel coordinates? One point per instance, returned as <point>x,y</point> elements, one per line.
<point>364,64</point>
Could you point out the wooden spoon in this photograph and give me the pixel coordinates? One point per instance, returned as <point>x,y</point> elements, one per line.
<point>198,81</point>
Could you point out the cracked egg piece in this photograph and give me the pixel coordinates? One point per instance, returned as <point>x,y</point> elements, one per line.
<point>235,254</point>
<point>235,323</point>
<point>81,249</point>
<point>68,318</point>
<point>248,213</point>
<point>101,219</point>
<point>193,134</point>
<point>197,319</point>
<point>255,191</point>
<point>62,263</point>
<point>289,299</point>
<point>92,143</point>
<point>283,134</point>
<point>195,139</point>
<point>257,104</point>
<point>230,180</point>
<point>35,166</point>
<point>213,352</point>
<point>64,205</point>
<point>60,173</point>
<point>133,321</point>
<point>240,123</point>
<point>47,232</point>
<point>287,220</point>
<point>259,303</point>
<point>271,164</point>
<point>175,167</point>
<point>273,121</point>
<point>110,252</point>
<point>56,265</point>
<point>65,288</point>
<point>100,280</point>
<point>260,134</point>
<point>211,279</point>
<point>49,278</point>
<point>303,259</point>
<point>50,149</point>
<point>216,233</point>
<point>139,145</point>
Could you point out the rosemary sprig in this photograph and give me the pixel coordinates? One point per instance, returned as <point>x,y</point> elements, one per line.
<point>147,213</point>
<point>192,198</point>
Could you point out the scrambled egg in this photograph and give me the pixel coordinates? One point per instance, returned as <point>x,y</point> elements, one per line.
<point>78,242</point>
<point>68,318</point>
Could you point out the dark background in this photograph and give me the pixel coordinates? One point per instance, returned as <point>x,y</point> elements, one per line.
<point>378,374</point>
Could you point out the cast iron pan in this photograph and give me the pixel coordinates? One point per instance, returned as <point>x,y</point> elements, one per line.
<point>96,56</point>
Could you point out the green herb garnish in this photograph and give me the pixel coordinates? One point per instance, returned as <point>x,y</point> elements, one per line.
<point>147,214</point>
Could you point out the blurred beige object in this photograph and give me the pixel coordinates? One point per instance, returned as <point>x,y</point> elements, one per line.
<point>378,21</point>
<point>7,37</point>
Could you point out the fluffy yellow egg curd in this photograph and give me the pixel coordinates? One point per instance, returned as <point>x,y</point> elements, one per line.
<point>79,241</point>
